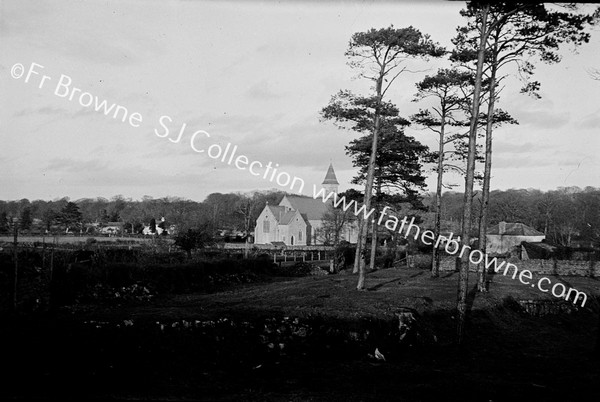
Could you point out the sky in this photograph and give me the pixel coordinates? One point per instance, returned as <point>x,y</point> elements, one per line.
<point>253,74</point>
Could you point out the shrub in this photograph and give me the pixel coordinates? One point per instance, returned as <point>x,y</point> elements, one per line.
<point>76,282</point>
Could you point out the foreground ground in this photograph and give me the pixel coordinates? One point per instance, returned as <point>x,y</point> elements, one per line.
<point>507,354</point>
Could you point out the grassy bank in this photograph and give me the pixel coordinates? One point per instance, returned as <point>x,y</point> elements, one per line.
<point>146,350</point>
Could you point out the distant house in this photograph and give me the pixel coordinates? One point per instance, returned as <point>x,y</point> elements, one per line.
<point>297,219</point>
<point>112,228</point>
<point>160,228</point>
<point>506,238</point>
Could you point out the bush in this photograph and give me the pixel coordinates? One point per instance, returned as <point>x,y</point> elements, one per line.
<point>81,282</point>
<point>422,261</point>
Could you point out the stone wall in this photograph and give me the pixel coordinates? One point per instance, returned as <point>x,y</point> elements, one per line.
<point>560,267</point>
<point>541,267</point>
<point>448,264</point>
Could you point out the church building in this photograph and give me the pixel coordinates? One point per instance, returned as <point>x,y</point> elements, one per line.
<point>297,219</point>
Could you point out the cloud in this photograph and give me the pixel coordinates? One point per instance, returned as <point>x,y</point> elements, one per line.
<point>545,119</point>
<point>97,172</point>
<point>512,148</point>
<point>65,165</point>
<point>46,110</point>
<point>590,121</point>
<point>262,91</point>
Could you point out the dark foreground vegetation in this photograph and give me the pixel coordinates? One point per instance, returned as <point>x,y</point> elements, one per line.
<point>131,325</point>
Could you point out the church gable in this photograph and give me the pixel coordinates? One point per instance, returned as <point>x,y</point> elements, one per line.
<point>267,223</point>
<point>294,231</point>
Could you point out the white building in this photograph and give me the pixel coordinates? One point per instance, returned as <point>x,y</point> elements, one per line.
<point>297,219</point>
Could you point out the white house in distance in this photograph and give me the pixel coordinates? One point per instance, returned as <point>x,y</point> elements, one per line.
<point>297,219</point>
<point>112,228</point>
<point>160,228</point>
<point>506,237</point>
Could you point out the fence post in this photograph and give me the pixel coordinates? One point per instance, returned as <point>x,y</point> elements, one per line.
<point>52,258</point>
<point>44,254</point>
<point>16,261</point>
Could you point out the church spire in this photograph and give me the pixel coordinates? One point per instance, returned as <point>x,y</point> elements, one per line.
<point>330,183</point>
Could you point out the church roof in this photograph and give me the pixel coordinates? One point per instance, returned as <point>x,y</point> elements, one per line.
<point>330,176</point>
<point>283,216</point>
<point>277,211</point>
<point>287,217</point>
<point>514,229</point>
<point>308,206</point>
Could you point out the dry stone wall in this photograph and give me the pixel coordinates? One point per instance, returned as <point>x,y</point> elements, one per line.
<point>541,267</point>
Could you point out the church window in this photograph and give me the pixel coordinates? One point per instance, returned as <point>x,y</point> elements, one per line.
<point>300,236</point>
<point>266,226</point>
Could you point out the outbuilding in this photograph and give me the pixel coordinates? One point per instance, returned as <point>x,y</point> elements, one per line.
<point>506,238</point>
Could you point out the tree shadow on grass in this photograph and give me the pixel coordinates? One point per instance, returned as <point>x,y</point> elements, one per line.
<point>471,298</point>
<point>382,284</point>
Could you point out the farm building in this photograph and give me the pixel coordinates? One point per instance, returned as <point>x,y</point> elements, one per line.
<point>506,238</point>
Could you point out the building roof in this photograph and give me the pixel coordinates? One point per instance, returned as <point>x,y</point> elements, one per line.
<point>277,211</point>
<point>514,229</point>
<point>287,217</point>
<point>330,176</point>
<point>113,224</point>
<point>310,208</point>
<point>283,216</point>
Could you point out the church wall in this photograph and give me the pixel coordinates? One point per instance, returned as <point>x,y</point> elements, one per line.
<point>283,234</point>
<point>262,237</point>
<point>295,226</point>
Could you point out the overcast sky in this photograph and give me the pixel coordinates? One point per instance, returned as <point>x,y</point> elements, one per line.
<point>253,74</point>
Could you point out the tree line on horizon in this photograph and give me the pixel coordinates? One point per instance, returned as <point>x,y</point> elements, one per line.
<point>564,215</point>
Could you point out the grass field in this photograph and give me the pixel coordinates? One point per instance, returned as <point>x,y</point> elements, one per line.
<point>507,355</point>
<point>335,295</point>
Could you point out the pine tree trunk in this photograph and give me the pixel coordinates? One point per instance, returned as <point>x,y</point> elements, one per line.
<point>369,181</point>
<point>435,260</point>
<point>483,216</point>
<point>374,235</point>
<point>359,246</point>
<point>362,257</point>
<point>463,262</point>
